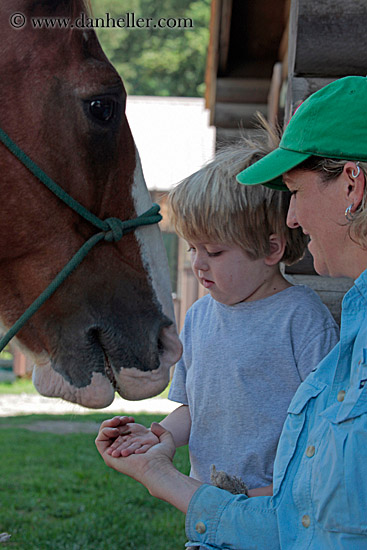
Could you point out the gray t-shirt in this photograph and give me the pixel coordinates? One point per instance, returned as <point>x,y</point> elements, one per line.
<point>240,368</point>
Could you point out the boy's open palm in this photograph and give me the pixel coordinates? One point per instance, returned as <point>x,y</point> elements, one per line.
<point>137,440</point>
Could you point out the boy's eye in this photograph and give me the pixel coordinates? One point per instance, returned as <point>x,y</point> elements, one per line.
<point>214,254</point>
<point>190,249</point>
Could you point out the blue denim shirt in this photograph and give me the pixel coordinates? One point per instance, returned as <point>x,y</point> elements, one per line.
<point>320,471</point>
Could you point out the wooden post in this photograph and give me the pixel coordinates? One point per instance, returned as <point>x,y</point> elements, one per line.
<point>327,40</point>
<point>22,365</point>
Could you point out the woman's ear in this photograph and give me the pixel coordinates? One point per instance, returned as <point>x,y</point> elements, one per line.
<point>355,185</point>
<point>277,247</point>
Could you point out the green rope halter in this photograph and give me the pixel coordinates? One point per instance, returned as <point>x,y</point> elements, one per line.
<point>111,230</point>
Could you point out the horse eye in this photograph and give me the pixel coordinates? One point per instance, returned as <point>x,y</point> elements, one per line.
<point>102,109</point>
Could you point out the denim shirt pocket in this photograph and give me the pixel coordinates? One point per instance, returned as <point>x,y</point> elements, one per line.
<point>339,472</point>
<point>292,429</point>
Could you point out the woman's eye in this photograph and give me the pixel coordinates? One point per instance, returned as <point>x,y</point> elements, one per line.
<point>190,249</point>
<point>102,110</point>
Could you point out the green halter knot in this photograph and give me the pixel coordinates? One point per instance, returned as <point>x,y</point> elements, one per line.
<point>116,231</point>
<point>117,228</point>
<point>110,230</point>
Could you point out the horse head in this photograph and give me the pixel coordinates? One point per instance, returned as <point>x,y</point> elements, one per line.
<point>110,326</point>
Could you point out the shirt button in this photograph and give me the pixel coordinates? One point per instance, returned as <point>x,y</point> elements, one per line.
<point>310,451</point>
<point>200,527</point>
<point>306,521</point>
<point>341,395</point>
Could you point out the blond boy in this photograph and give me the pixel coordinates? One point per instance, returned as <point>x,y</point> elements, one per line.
<point>252,339</point>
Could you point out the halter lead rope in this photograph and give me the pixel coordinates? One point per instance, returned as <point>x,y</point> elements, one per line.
<point>112,230</point>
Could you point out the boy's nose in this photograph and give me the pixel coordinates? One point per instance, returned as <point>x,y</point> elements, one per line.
<point>291,216</point>
<point>199,263</point>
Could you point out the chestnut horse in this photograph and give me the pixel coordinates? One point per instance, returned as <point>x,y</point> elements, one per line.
<point>110,325</point>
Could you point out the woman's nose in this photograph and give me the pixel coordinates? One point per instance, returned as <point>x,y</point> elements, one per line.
<point>291,216</point>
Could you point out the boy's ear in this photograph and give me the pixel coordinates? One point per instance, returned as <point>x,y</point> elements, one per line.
<point>277,247</point>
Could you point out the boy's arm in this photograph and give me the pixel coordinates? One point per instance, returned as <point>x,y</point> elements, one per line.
<point>178,422</point>
<point>139,439</point>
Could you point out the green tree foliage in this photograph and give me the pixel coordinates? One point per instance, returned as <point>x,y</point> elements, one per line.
<point>157,61</point>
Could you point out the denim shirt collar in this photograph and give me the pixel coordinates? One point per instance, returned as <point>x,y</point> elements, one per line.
<point>356,297</point>
<point>352,351</point>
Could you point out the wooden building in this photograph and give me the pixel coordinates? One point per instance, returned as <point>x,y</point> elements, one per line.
<point>269,56</point>
<point>247,41</point>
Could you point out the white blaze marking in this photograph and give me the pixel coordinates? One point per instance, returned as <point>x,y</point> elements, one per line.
<point>151,244</point>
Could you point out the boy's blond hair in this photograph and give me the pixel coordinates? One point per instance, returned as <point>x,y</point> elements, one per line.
<point>210,206</point>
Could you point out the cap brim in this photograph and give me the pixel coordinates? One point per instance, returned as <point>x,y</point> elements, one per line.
<point>269,170</point>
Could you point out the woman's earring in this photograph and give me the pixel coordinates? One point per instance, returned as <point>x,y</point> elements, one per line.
<point>358,171</point>
<point>348,212</point>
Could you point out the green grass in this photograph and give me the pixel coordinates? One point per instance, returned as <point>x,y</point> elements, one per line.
<point>20,385</point>
<point>57,494</point>
<point>5,354</point>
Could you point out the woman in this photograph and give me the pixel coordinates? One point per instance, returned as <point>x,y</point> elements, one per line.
<point>320,472</point>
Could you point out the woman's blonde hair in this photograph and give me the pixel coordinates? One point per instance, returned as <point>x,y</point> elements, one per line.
<point>329,170</point>
<point>210,206</point>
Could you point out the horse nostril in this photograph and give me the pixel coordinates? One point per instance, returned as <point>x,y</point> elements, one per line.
<point>169,345</point>
<point>93,335</point>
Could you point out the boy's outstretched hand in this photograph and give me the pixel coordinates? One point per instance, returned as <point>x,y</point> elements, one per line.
<point>110,430</point>
<point>136,439</point>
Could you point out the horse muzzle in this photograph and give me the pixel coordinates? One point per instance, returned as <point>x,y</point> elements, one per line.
<point>114,365</point>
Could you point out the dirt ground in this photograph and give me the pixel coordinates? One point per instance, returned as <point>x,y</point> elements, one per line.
<point>27,403</point>
<point>57,426</point>
<point>24,404</point>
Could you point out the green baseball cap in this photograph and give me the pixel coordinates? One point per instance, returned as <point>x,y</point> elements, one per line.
<point>331,123</point>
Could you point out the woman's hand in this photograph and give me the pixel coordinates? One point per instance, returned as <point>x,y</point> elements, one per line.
<point>153,469</point>
<point>145,468</point>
